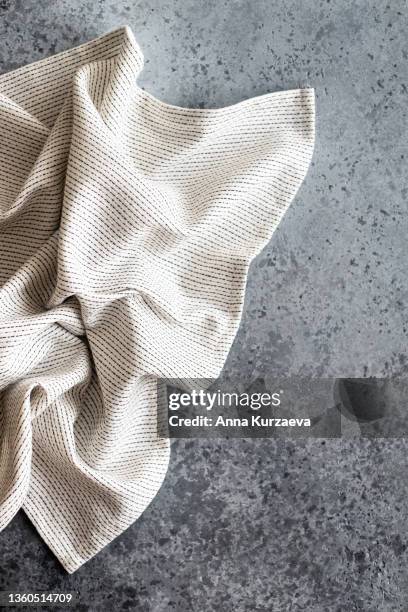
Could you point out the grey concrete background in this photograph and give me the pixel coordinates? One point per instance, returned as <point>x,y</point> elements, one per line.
<point>263,525</point>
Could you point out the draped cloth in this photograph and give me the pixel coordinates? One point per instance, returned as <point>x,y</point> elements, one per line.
<point>127,226</point>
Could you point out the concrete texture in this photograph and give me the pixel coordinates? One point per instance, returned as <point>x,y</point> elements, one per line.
<point>268,525</point>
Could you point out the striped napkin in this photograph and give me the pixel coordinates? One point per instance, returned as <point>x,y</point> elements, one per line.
<point>127,226</point>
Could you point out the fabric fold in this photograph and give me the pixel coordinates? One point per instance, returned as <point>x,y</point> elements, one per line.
<point>127,226</point>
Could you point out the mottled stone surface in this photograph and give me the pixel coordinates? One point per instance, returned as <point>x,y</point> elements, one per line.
<point>264,525</point>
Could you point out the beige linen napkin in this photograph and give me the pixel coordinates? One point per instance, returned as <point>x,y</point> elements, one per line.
<point>127,226</point>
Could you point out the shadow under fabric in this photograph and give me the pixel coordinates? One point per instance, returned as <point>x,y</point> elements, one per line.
<point>127,226</point>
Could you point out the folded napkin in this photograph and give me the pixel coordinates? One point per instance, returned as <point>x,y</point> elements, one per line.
<point>127,226</point>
